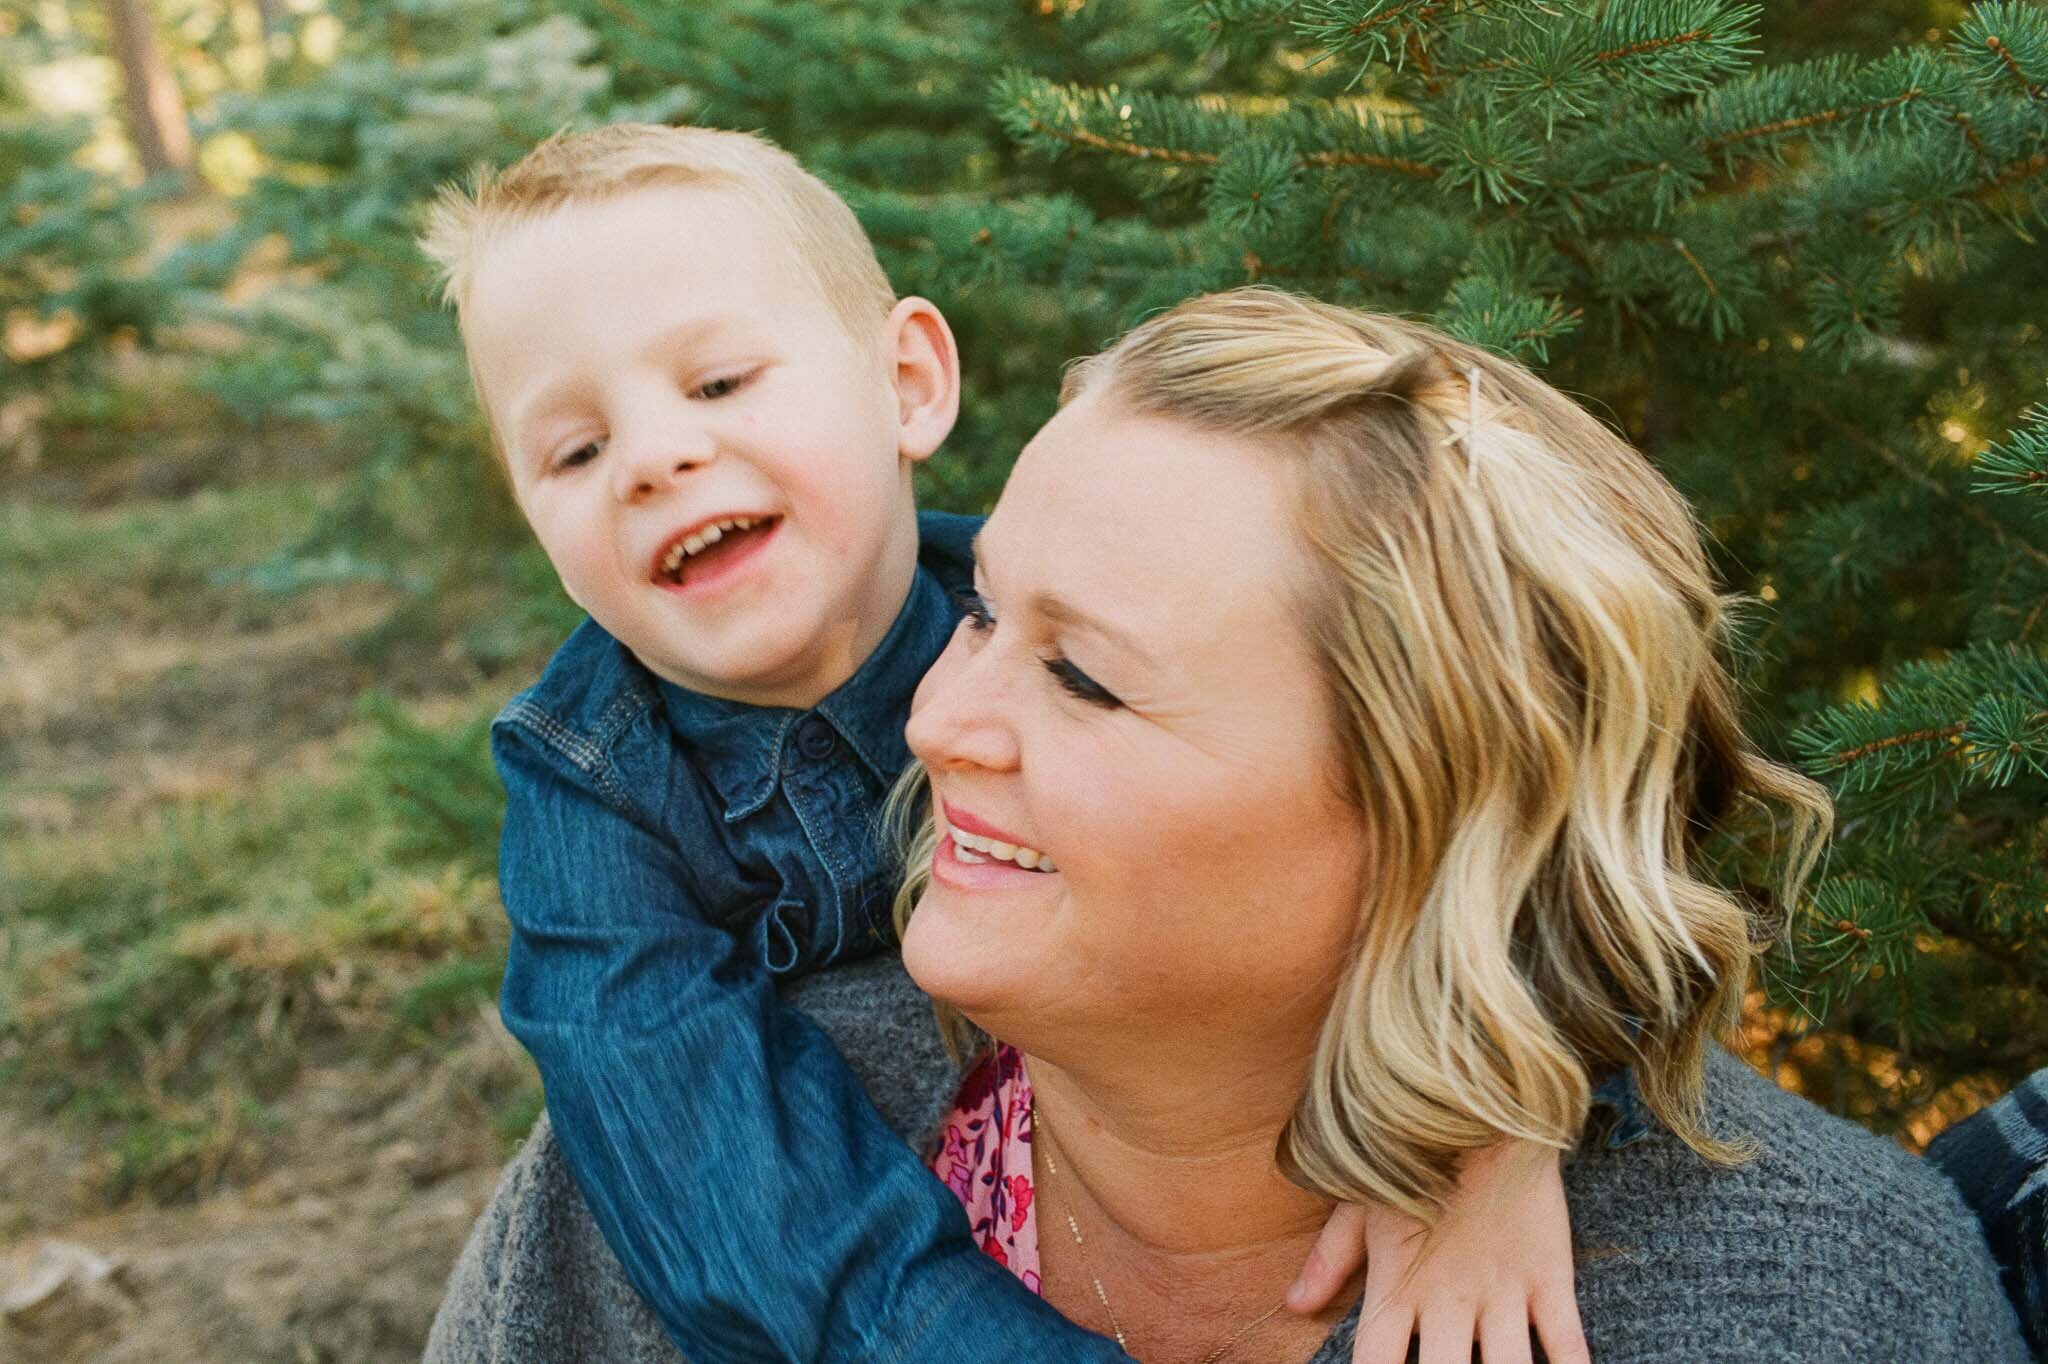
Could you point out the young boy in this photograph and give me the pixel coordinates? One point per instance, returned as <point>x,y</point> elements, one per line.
<point>709,403</point>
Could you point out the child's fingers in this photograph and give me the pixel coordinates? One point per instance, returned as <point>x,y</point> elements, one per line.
<point>1338,1253</point>
<point>1504,1334</point>
<point>1384,1333</point>
<point>1556,1315</point>
<point>1447,1334</point>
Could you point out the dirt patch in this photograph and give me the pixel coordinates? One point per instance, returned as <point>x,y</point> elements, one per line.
<point>339,1253</point>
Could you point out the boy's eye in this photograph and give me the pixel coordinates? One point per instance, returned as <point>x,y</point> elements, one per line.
<point>722,385</point>
<point>1079,684</point>
<point>580,456</point>
<point>973,608</point>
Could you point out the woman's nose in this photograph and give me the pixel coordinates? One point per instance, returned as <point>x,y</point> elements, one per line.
<point>961,716</point>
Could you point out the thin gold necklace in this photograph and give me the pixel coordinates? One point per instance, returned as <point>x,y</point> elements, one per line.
<point>1081,1247</point>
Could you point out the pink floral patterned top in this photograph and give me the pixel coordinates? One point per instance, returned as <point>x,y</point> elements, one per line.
<point>983,1154</point>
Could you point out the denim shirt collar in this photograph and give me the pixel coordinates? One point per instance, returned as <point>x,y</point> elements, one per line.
<point>740,747</point>
<point>1620,1117</point>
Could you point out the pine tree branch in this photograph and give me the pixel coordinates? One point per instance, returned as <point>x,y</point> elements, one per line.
<point>1081,137</point>
<point>1421,170</point>
<point>1613,54</point>
<point>1899,463</point>
<point>1846,756</point>
<point>2013,174</point>
<point>1813,120</point>
<point>1393,14</point>
<point>1652,45</point>
<point>2004,54</point>
<point>1419,54</point>
<point>1698,269</point>
<point>1962,120</point>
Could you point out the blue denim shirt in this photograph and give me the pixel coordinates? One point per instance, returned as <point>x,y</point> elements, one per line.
<point>666,855</point>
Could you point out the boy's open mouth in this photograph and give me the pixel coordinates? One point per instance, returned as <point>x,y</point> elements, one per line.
<point>702,551</point>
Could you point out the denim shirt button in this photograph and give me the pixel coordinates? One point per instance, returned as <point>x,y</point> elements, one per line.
<point>815,739</point>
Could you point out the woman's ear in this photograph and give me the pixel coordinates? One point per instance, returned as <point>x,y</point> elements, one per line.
<point>925,368</point>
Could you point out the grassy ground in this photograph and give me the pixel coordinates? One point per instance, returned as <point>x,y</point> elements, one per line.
<point>249,932</point>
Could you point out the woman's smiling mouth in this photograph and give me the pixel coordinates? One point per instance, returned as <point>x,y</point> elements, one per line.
<point>972,848</point>
<point>973,853</point>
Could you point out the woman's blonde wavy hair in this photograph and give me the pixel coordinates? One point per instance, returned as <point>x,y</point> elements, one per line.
<point>1520,635</point>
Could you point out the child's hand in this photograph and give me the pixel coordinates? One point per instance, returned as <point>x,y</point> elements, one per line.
<point>1501,1263</point>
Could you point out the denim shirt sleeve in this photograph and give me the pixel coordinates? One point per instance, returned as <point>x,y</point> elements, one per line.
<point>1998,1159</point>
<point>689,1101</point>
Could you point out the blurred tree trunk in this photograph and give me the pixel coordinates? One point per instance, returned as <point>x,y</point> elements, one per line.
<point>156,110</point>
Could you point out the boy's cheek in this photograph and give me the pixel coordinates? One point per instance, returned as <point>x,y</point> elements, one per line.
<point>578,561</point>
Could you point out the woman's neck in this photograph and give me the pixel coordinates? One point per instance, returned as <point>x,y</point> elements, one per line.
<point>1184,1215</point>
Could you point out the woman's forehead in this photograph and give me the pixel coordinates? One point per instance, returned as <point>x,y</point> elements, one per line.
<point>1130,515</point>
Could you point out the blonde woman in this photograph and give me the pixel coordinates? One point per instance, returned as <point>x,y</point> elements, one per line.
<point>1315,786</point>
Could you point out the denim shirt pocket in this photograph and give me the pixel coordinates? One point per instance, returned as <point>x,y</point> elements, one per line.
<point>782,936</point>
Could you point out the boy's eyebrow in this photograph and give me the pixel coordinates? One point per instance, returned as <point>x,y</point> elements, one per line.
<point>1060,611</point>
<point>687,333</point>
<point>540,404</point>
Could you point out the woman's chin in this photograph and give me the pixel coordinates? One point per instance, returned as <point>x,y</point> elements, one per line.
<point>951,954</point>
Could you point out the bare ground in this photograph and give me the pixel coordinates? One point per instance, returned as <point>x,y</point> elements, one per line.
<point>328,1226</point>
<point>337,1253</point>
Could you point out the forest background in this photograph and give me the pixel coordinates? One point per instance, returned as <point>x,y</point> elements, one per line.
<point>261,590</point>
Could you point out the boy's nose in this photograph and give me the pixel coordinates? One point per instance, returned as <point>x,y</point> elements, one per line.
<point>653,466</point>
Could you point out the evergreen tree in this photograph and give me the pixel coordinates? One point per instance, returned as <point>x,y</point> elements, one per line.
<point>1931,923</point>
<point>1804,288</point>
<point>1803,281</point>
<point>70,284</point>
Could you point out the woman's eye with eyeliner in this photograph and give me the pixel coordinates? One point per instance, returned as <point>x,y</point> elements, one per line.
<point>1079,684</point>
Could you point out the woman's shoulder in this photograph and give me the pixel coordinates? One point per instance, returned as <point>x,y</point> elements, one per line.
<point>537,1281</point>
<point>1827,1242</point>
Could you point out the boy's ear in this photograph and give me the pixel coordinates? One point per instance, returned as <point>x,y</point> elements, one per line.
<point>925,366</point>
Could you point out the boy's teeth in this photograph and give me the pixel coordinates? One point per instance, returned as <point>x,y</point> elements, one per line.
<point>974,848</point>
<point>710,535</point>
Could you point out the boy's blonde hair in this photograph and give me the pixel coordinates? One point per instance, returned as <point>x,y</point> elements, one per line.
<point>605,163</point>
<point>1519,634</point>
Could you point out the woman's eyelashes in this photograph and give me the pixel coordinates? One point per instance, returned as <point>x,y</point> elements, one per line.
<point>976,616</point>
<point>974,610</point>
<point>1078,683</point>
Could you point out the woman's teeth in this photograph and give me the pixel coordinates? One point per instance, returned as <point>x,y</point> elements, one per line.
<point>682,549</point>
<point>974,848</point>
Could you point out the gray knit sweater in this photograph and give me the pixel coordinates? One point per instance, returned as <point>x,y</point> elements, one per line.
<point>1829,1245</point>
